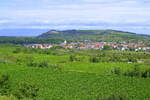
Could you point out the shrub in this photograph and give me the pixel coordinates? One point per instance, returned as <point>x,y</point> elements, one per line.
<point>132,59</point>
<point>3,60</point>
<point>104,59</point>
<point>146,74</point>
<point>4,84</point>
<point>115,58</point>
<point>134,72</point>
<point>116,70</point>
<point>115,97</point>
<point>26,90</point>
<point>72,58</point>
<point>32,64</point>
<point>55,66</point>
<point>94,59</point>
<point>107,47</point>
<point>43,64</point>
<point>17,50</point>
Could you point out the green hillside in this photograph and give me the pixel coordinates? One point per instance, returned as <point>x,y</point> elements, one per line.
<point>54,36</point>
<point>95,35</point>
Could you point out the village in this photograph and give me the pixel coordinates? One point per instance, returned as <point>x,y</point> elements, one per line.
<point>93,45</point>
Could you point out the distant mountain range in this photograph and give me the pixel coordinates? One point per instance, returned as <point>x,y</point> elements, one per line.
<point>57,36</point>
<point>95,35</point>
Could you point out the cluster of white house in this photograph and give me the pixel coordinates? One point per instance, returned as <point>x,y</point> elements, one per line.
<point>93,45</point>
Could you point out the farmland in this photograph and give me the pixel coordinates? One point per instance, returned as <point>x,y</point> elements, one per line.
<point>66,74</point>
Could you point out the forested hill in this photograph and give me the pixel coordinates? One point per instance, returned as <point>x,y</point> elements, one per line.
<point>95,35</point>
<point>55,36</point>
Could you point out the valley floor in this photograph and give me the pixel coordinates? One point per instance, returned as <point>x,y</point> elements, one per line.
<point>70,80</point>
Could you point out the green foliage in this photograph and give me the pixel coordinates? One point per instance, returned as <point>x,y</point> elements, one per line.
<point>116,70</point>
<point>115,97</point>
<point>17,50</point>
<point>32,64</point>
<point>26,50</point>
<point>132,59</point>
<point>94,59</point>
<point>79,78</point>
<point>4,84</point>
<point>78,35</point>
<point>26,91</point>
<point>73,58</point>
<point>57,47</point>
<point>55,66</point>
<point>42,64</point>
<point>94,35</point>
<point>134,72</point>
<point>107,47</point>
<point>146,73</point>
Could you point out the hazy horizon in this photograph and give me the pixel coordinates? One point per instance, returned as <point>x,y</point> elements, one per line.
<point>18,17</point>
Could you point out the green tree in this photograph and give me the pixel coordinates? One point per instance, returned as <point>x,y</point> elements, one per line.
<point>94,59</point>
<point>72,58</point>
<point>107,47</point>
<point>4,84</point>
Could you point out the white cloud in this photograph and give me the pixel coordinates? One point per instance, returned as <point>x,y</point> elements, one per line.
<point>102,1</point>
<point>4,21</point>
<point>107,13</point>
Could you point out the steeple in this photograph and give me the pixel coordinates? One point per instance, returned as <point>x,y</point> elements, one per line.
<point>65,42</point>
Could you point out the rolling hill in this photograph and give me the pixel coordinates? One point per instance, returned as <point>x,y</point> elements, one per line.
<point>56,36</point>
<point>95,35</point>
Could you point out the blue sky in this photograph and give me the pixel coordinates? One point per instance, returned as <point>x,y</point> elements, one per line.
<point>127,15</point>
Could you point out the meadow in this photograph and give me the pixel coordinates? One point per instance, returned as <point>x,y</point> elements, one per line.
<point>66,74</point>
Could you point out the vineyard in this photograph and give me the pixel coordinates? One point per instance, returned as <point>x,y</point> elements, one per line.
<point>65,74</point>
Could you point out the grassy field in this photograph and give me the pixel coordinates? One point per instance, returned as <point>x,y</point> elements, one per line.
<point>71,80</point>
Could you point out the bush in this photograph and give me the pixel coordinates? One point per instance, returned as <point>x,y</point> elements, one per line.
<point>26,91</point>
<point>17,50</point>
<point>4,84</point>
<point>115,97</point>
<point>134,72</point>
<point>42,64</point>
<point>116,70</point>
<point>146,74</point>
<point>55,66</point>
<point>4,61</point>
<point>72,58</point>
<point>132,59</point>
<point>107,47</point>
<point>94,59</point>
<point>32,64</point>
<point>104,59</point>
<point>115,58</point>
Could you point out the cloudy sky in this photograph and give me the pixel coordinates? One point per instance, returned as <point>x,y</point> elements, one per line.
<point>127,15</point>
